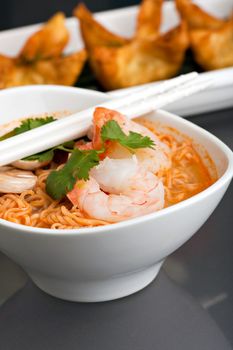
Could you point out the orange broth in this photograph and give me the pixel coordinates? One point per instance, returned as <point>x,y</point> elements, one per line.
<point>188,174</point>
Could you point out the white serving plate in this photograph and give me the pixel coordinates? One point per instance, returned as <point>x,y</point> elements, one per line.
<point>122,21</point>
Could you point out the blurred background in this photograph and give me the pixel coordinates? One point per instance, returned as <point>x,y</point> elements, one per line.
<point>16,13</point>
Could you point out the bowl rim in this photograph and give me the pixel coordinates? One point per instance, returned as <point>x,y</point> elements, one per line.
<point>51,87</point>
<point>227,175</point>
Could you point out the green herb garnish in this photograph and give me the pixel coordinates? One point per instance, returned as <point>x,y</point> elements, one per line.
<point>42,156</point>
<point>60,182</point>
<point>113,132</point>
<point>49,154</point>
<point>26,125</point>
<point>29,124</point>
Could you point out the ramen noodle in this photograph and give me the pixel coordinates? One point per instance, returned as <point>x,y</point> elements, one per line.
<point>155,177</point>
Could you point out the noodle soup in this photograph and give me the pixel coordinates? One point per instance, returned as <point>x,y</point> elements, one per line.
<point>119,172</point>
<point>124,170</point>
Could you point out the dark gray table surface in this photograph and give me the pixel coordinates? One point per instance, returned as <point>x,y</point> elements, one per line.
<point>162,317</point>
<point>203,268</point>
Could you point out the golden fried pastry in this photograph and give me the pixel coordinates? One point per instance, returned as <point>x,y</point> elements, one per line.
<point>6,67</point>
<point>94,34</point>
<point>48,42</point>
<point>41,61</point>
<point>149,19</point>
<point>149,56</point>
<point>211,39</point>
<point>59,70</point>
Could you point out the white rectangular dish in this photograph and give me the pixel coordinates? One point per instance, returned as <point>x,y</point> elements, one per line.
<point>122,21</point>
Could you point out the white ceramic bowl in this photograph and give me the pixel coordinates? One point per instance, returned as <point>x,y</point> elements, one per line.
<point>104,263</point>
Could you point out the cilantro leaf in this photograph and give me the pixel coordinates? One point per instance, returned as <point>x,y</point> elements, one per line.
<point>7,136</point>
<point>112,131</point>
<point>60,182</point>
<point>135,140</point>
<point>29,124</point>
<point>42,156</point>
<point>26,125</point>
<point>66,147</point>
<point>69,144</point>
<point>49,154</point>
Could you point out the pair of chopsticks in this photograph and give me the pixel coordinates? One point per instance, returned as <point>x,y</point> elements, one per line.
<point>147,99</point>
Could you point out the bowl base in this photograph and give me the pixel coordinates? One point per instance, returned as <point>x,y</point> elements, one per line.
<point>97,290</point>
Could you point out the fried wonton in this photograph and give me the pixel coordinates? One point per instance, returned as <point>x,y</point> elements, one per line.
<point>149,56</point>
<point>149,19</point>
<point>41,60</point>
<point>211,38</point>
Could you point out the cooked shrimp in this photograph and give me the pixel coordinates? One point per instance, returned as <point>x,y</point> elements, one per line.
<point>153,159</point>
<point>16,181</point>
<point>118,189</point>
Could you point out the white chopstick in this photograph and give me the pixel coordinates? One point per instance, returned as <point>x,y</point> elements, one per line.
<point>76,125</point>
<point>151,103</point>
